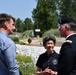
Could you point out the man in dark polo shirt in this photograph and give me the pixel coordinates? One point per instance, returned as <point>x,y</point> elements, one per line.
<point>67,57</point>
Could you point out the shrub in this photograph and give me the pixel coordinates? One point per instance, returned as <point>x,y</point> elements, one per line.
<point>15,39</point>
<point>27,33</point>
<point>27,69</point>
<point>22,58</point>
<point>26,64</point>
<point>54,32</point>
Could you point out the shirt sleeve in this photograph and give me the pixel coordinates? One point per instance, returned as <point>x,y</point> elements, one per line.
<point>10,57</point>
<point>66,59</point>
<point>39,62</point>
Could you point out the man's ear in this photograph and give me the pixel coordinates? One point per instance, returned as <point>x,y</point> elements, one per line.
<point>67,27</point>
<point>6,24</point>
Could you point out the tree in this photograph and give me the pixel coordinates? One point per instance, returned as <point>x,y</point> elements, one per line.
<point>67,9</point>
<point>19,25</point>
<point>28,24</point>
<point>22,26</point>
<point>45,15</point>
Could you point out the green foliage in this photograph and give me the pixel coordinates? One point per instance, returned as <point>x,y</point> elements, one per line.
<point>45,15</point>
<point>67,8</point>
<point>25,59</point>
<point>19,25</point>
<point>26,64</point>
<point>28,24</point>
<point>15,39</point>
<point>21,43</point>
<point>22,26</point>
<point>54,32</point>
<point>27,33</point>
<point>28,69</point>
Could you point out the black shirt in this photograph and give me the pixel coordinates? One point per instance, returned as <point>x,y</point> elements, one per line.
<point>50,61</point>
<point>67,57</point>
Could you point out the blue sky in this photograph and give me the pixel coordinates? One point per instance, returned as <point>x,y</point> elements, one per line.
<point>18,8</point>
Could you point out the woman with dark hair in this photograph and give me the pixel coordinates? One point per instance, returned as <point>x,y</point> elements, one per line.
<point>47,63</point>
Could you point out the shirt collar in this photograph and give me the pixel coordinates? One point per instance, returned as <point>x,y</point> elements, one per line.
<point>69,35</point>
<point>49,54</point>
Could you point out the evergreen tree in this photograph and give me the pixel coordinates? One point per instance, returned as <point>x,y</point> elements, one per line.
<point>45,15</point>
<point>28,24</point>
<point>19,25</point>
<point>67,9</point>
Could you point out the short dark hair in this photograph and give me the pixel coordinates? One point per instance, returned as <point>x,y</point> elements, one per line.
<point>47,38</point>
<point>5,17</point>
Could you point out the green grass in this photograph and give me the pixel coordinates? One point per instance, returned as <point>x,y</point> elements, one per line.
<point>26,64</point>
<point>25,59</point>
<point>27,69</point>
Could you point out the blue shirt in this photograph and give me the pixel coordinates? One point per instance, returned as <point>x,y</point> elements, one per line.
<point>8,63</point>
